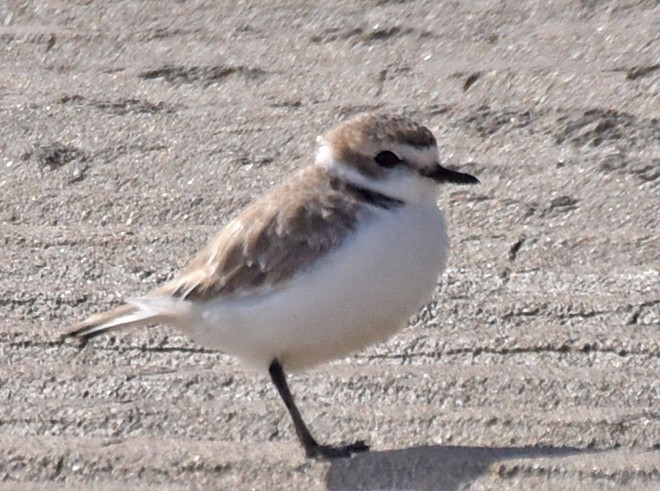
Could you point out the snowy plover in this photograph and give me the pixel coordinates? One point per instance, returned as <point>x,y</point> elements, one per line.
<point>337,257</point>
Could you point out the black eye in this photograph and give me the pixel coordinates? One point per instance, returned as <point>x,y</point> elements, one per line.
<point>387,159</point>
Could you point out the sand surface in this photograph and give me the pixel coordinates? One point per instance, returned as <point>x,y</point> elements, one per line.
<point>132,130</point>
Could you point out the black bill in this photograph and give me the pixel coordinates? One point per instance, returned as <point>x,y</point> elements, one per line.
<point>442,174</point>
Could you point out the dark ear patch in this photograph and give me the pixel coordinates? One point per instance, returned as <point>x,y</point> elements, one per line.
<point>387,159</point>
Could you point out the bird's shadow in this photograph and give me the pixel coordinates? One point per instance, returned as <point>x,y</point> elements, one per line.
<point>437,468</point>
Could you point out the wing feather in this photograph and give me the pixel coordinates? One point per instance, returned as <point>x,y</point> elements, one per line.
<point>273,239</point>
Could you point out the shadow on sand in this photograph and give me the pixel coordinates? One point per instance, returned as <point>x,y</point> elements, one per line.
<point>429,467</point>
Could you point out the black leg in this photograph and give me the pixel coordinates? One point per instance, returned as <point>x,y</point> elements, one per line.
<point>312,448</point>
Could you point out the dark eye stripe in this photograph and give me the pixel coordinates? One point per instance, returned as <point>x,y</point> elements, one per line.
<point>387,159</point>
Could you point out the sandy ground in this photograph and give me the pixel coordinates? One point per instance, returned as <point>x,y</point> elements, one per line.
<point>132,130</point>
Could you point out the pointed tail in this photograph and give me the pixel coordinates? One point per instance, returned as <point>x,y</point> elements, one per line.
<point>136,312</point>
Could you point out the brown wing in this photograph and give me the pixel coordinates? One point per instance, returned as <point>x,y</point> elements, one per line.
<point>271,240</point>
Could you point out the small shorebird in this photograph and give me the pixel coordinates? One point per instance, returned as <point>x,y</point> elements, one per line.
<point>335,258</point>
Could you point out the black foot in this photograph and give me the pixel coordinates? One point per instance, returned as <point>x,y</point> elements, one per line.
<point>340,452</point>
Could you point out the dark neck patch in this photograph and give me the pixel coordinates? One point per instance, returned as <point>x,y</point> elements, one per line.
<point>371,197</point>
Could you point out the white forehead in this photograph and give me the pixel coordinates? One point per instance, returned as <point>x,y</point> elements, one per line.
<point>408,186</point>
<point>420,157</point>
<point>417,156</point>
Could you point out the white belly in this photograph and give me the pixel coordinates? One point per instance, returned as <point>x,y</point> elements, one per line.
<point>359,294</point>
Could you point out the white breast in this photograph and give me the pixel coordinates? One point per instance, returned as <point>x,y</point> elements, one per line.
<point>359,294</point>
